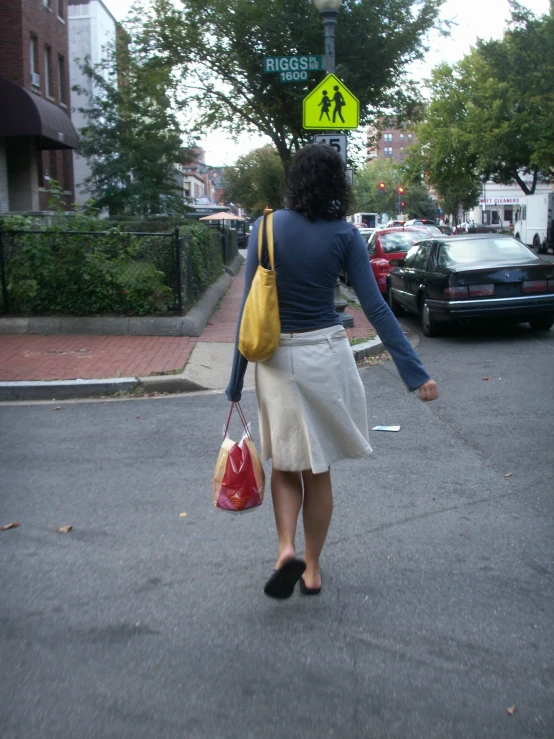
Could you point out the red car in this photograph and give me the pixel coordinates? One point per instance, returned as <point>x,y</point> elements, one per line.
<point>392,243</point>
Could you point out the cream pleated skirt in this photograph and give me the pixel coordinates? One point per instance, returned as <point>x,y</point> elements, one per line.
<point>311,402</point>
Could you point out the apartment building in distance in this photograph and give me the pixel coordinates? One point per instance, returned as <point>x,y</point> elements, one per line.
<point>389,143</point>
<point>36,133</point>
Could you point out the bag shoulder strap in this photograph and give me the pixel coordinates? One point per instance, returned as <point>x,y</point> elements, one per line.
<point>265,238</point>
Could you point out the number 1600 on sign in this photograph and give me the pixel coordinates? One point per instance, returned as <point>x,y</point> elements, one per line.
<point>295,76</point>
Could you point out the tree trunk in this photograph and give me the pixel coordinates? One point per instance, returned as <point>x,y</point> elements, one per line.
<point>523,185</point>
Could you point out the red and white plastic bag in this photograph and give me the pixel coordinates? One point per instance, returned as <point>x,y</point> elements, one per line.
<point>239,478</point>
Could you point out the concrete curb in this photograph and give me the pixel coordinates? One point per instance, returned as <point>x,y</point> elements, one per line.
<point>65,389</point>
<point>367,349</point>
<point>191,324</point>
<point>170,384</point>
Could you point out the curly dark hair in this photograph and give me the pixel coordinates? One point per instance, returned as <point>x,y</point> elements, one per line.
<point>316,183</point>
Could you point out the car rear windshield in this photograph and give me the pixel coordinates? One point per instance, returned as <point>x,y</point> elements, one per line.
<point>433,230</point>
<point>400,241</point>
<point>466,251</point>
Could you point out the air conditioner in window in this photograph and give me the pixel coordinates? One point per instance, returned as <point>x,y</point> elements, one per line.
<point>35,79</point>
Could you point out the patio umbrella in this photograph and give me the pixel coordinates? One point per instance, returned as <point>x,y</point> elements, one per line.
<point>223,216</point>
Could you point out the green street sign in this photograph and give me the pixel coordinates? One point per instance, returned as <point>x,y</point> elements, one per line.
<point>293,68</point>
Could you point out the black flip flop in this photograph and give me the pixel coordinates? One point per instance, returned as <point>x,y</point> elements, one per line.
<point>281,583</point>
<point>305,590</point>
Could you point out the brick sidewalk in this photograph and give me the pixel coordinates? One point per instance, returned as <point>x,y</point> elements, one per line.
<point>61,357</point>
<point>71,357</point>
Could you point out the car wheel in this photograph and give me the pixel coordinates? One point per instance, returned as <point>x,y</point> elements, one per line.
<point>395,307</point>
<point>543,322</point>
<point>429,325</point>
<point>537,246</point>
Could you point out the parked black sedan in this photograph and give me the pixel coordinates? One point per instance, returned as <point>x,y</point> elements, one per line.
<point>468,277</point>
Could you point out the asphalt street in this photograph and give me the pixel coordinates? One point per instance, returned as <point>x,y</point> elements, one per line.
<point>436,615</point>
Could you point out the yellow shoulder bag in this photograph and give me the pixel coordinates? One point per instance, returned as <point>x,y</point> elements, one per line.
<point>260,325</point>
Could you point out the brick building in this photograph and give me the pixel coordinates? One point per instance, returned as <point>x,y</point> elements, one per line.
<point>389,143</point>
<point>36,133</point>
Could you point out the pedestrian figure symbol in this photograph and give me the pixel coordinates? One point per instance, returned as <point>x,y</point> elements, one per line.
<point>330,106</point>
<point>339,103</point>
<point>325,105</point>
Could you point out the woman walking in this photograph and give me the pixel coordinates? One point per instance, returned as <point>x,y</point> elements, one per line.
<point>311,400</point>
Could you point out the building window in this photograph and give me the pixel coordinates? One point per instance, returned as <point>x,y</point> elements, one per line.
<point>508,213</point>
<point>59,9</point>
<point>47,4</point>
<point>48,71</point>
<point>61,80</point>
<point>409,137</point>
<point>33,61</point>
<point>387,151</point>
<point>401,137</point>
<point>387,137</point>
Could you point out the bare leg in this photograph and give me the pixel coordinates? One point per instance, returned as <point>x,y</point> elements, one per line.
<point>317,512</point>
<point>286,490</point>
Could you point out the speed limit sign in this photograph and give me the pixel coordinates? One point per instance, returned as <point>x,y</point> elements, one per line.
<point>336,140</point>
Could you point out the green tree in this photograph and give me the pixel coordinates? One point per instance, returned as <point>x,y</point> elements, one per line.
<point>132,139</point>
<point>218,48</point>
<point>368,196</point>
<point>256,181</point>
<point>443,156</point>
<point>492,115</point>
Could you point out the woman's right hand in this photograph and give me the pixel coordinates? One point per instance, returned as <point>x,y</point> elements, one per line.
<point>428,391</point>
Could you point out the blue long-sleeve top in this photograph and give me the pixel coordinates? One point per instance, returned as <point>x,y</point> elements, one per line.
<point>309,255</point>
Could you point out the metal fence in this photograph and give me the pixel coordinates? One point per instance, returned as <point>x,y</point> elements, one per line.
<point>95,272</point>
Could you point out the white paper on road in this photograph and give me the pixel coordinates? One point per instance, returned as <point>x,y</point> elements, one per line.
<point>386,428</point>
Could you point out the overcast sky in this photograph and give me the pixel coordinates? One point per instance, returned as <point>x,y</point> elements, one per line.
<point>474,19</point>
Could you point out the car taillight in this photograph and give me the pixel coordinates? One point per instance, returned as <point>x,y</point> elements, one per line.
<point>534,286</point>
<point>481,291</point>
<point>456,293</point>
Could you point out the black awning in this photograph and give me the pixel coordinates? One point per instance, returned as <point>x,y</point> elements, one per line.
<point>22,113</point>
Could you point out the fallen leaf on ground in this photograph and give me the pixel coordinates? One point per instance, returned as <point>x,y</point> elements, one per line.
<point>58,408</point>
<point>64,529</point>
<point>12,525</point>
<point>485,378</point>
<point>508,474</point>
<point>137,416</point>
<point>511,710</point>
<point>182,515</point>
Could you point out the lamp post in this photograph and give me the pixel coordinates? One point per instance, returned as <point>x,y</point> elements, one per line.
<point>328,10</point>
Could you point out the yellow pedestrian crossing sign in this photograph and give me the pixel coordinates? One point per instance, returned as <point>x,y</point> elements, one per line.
<point>331,105</point>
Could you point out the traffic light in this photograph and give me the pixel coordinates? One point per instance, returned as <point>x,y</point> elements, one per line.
<point>402,204</point>
<point>400,190</point>
<point>382,187</point>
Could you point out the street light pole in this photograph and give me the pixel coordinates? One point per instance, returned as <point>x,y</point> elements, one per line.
<point>328,10</point>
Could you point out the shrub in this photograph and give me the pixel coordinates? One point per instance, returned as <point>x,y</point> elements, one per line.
<point>64,270</point>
